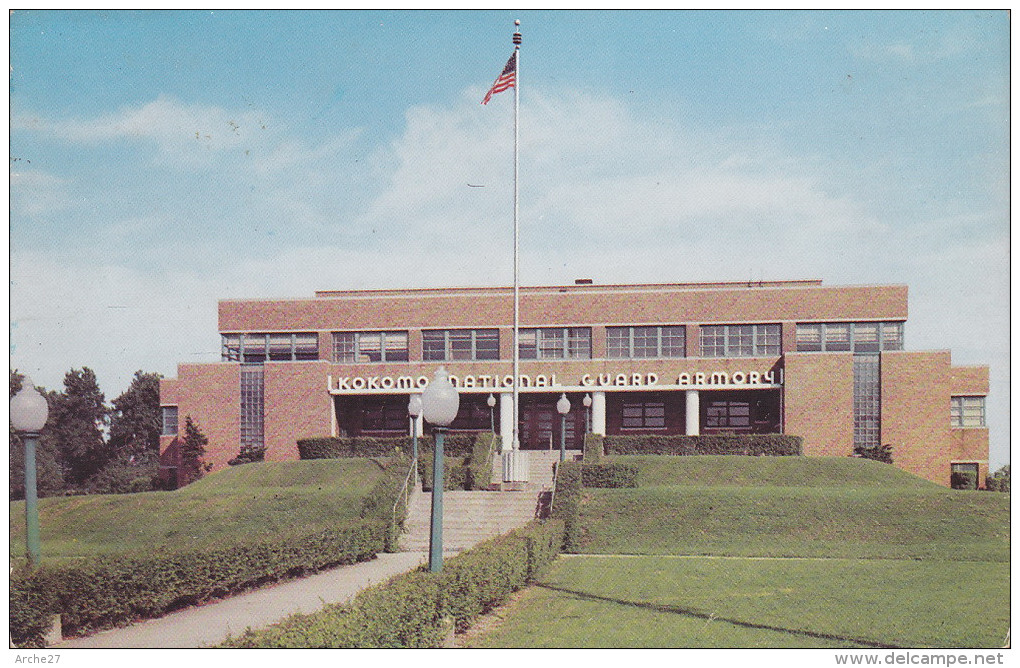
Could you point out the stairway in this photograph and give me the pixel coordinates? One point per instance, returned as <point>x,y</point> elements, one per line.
<point>471,517</point>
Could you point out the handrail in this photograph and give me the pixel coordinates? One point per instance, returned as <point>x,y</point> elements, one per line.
<point>403,492</point>
<point>556,479</point>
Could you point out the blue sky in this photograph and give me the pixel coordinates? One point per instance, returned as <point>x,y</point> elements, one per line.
<point>161,161</point>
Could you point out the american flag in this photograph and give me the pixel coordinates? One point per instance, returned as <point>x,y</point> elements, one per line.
<point>505,80</point>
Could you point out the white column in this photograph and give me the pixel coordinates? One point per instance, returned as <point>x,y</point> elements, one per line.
<point>693,413</point>
<point>334,428</point>
<point>598,413</point>
<point>419,425</point>
<point>506,420</point>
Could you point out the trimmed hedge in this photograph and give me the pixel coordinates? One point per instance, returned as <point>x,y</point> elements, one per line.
<point>469,468</point>
<point>103,592</point>
<point>410,610</point>
<point>778,445</point>
<point>338,447</point>
<point>479,470</point>
<point>378,505</point>
<point>455,471</point>
<point>609,475</point>
<point>359,446</point>
<point>593,447</point>
<point>566,505</point>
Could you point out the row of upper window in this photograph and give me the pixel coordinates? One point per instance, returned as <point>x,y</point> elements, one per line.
<point>633,342</point>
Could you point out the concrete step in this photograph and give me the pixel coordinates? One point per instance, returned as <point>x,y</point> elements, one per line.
<point>468,517</point>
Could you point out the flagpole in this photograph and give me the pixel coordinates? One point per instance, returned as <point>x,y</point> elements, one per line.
<point>517,288</point>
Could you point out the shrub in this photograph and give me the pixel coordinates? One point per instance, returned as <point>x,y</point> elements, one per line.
<point>345,446</point>
<point>593,447</point>
<point>455,471</point>
<point>609,475</point>
<point>102,592</point>
<point>125,475</point>
<point>379,503</point>
<point>998,481</point>
<point>566,504</point>
<point>410,610</point>
<point>963,480</point>
<point>338,447</point>
<point>879,453</point>
<point>479,470</point>
<point>709,444</point>
<point>248,454</point>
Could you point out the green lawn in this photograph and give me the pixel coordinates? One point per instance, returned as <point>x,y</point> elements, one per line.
<point>791,506</point>
<point>879,558</point>
<point>238,502</point>
<point>716,602</point>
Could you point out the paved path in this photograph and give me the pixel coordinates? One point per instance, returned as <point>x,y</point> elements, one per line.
<point>209,625</point>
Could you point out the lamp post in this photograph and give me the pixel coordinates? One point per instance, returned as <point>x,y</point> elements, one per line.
<point>28,416</point>
<point>587,413</point>
<point>492,416</point>
<point>440,402</point>
<point>563,406</point>
<point>414,410</point>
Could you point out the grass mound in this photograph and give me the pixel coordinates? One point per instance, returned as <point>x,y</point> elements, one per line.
<point>772,507</point>
<point>238,503</point>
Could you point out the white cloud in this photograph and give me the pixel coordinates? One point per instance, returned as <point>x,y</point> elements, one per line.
<point>607,193</point>
<point>34,193</point>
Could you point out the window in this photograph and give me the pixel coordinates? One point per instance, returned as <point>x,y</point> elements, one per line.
<point>867,401</point>
<point>740,340</point>
<point>860,337</point>
<point>646,342</point>
<point>359,347</point>
<point>728,414</point>
<point>256,348</point>
<point>967,411</point>
<point>555,343</point>
<point>644,415</point>
<point>384,414</point>
<point>460,344</point>
<point>252,407</point>
<point>169,421</point>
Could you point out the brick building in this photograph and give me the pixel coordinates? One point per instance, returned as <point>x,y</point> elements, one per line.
<point>797,357</point>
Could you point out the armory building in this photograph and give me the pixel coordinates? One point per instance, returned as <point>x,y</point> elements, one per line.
<point>825,363</point>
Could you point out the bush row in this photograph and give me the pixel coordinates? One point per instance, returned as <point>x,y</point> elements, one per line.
<point>566,503</point>
<point>106,591</point>
<point>479,472</point>
<point>609,475</point>
<point>709,444</point>
<point>337,447</point>
<point>593,444</point>
<point>470,469</point>
<point>378,505</point>
<point>410,610</point>
<point>455,471</point>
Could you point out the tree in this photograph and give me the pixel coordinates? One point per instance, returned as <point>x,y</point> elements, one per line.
<point>77,418</point>
<point>192,449</point>
<point>136,420</point>
<point>49,476</point>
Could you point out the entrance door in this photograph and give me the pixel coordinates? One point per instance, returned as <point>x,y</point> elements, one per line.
<point>540,423</point>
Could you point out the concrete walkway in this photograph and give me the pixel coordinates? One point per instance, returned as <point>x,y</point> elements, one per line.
<point>210,624</point>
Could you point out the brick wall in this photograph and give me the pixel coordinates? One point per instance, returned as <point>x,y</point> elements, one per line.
<point>915,412</point>
<point>818,402</point>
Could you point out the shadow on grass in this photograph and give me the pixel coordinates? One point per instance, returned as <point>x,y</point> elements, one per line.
<point>687,612</point>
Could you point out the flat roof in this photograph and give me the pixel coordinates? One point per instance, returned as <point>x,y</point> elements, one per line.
<point>578,287</point>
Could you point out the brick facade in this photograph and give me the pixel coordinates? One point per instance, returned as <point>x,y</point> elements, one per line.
<point>815,390</point>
